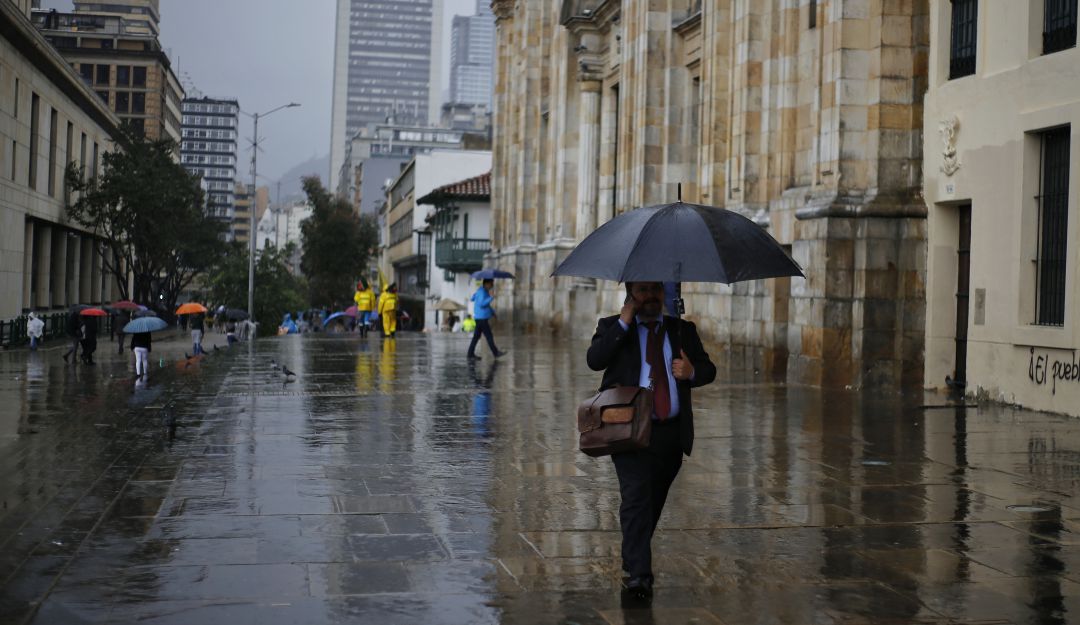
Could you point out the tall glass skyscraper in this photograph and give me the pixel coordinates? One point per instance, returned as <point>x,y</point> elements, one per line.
<point>382,68</point>
<point>472,49</point>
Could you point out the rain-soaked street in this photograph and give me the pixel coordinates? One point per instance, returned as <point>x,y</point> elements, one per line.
<point>393,482</point>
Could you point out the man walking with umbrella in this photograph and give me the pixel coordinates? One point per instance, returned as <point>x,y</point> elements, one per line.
<point>482,313</point>
<point>644,248</point>
<point>642,347</point>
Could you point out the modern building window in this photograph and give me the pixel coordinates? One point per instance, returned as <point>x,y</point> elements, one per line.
<point>812,18</point>
<point>104,95</point>
<point>101,75</point>
<point>965,14</point>
<point>138,103</point>
<point>123,75</point>
<point>54,122</point>
<point>82,156</point>
<point>1053,202</point>
<point>123,102</point>
<point>15,109</point>
<point>138,77</point>
<point>35,105</point>
<point>86,70</point>
<point>1059,25</point>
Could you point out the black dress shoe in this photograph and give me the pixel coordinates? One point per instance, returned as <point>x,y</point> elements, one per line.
<point>639,587</point>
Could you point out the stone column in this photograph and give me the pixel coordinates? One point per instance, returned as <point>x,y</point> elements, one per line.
<point>95,274</point>
<point>74,254</point>
<point>28,265</point>
<point>588,163</point>
<point>43,253</point>
<point>58,282</point>
<point>86,264</point>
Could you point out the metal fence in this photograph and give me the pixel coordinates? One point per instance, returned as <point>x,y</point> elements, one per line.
<point>13,331</point>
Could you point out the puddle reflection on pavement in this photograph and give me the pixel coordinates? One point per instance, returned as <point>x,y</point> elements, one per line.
<point>396,482</point>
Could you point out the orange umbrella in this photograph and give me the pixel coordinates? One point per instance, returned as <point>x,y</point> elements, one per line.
<point>93,312</point>
<point>190,308</point>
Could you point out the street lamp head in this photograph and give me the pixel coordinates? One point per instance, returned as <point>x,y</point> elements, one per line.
<point>292,105</point>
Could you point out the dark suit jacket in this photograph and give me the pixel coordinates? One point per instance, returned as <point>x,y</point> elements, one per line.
<point>618,354</point>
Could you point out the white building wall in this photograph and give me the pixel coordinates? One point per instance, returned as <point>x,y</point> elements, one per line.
<point>1015,93</point>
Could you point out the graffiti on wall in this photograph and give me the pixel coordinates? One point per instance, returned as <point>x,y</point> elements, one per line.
<point>1043,369</point>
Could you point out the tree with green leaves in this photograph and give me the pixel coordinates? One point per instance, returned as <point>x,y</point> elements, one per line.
<point>277,290</point>
<point>338,244</point>
<point>149,211</point>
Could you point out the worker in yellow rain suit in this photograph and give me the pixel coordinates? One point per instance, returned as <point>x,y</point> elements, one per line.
<point>388,303</point>
<point>365,306</point>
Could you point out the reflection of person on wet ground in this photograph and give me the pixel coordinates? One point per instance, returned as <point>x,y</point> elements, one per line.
<point>89,339</point>
<point>628,347</point>
<point>481,413</point>
<point>140,345</point>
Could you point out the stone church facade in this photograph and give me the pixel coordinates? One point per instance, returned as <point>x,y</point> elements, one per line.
<point>804,115</point>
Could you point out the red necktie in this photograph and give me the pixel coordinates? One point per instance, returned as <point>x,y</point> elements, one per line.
<point>654,355</point>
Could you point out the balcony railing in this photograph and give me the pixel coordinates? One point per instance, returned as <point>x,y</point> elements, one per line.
<point>461,255</point>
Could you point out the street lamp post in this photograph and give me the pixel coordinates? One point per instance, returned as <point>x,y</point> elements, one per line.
<point>252,233</point>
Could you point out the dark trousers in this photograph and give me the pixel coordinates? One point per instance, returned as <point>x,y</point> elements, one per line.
<point>645,476</point>
<point>483,326</point>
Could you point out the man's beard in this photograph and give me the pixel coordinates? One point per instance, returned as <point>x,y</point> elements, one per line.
<point>651,308</point>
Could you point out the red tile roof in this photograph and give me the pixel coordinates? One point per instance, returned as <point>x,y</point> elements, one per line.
<point>476,188</point>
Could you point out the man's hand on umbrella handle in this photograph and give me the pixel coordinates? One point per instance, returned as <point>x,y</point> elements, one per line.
<point>681,367</point>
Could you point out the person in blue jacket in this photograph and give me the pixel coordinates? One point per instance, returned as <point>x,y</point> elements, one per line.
<point>482,313</point>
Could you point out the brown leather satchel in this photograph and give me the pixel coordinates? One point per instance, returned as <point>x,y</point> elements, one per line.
<point>615,420</point>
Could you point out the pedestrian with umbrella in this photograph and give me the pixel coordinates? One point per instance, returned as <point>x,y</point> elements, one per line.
<point>642,347</point>
<point>74,331</point>
<point>123,310</point>
<point>482,314</point>
<point>140,329</point>
<point>197,312</point>
<point>89,332</point>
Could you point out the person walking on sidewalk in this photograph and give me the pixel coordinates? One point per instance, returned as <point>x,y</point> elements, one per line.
<point>482,313</point>
<point>34,329</point>
<point>196,334</point>
<point>365,305</point>
<point>642,347</point>
<point>89,339</point>
<point>140,345</point>
<point>388,305</point>
<point>74,330</point>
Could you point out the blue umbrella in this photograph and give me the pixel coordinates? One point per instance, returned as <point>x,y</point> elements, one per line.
<point>491,274</point>
<point>336,315</point>
<point>145,324</point>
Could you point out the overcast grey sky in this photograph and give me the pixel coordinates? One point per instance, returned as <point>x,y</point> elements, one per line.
<point>266,53</point>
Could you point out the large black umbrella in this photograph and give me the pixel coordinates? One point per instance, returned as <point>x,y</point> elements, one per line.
<point>679,243</point>
<point>236,314</point>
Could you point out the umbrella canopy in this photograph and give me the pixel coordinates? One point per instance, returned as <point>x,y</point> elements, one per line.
<point>93,312</point>
<point>350,311</point>
<point>236,314</point>
<point>143,312</point>
<point>191,308</point>
<point>492,274</point>
<point>124,305</point>
<point>679,243</point>
<point>145,324</point>
<point>77,307</point>
<point>337,315</point>
<point>449,305</point>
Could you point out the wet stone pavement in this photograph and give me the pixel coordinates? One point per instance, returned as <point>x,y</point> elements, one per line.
<point>393,482</point>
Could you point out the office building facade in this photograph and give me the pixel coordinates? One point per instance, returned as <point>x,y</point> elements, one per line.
<point>382,67</point>
<point>124,65</point>
<point>472,48</point>
<point>209,150</point>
